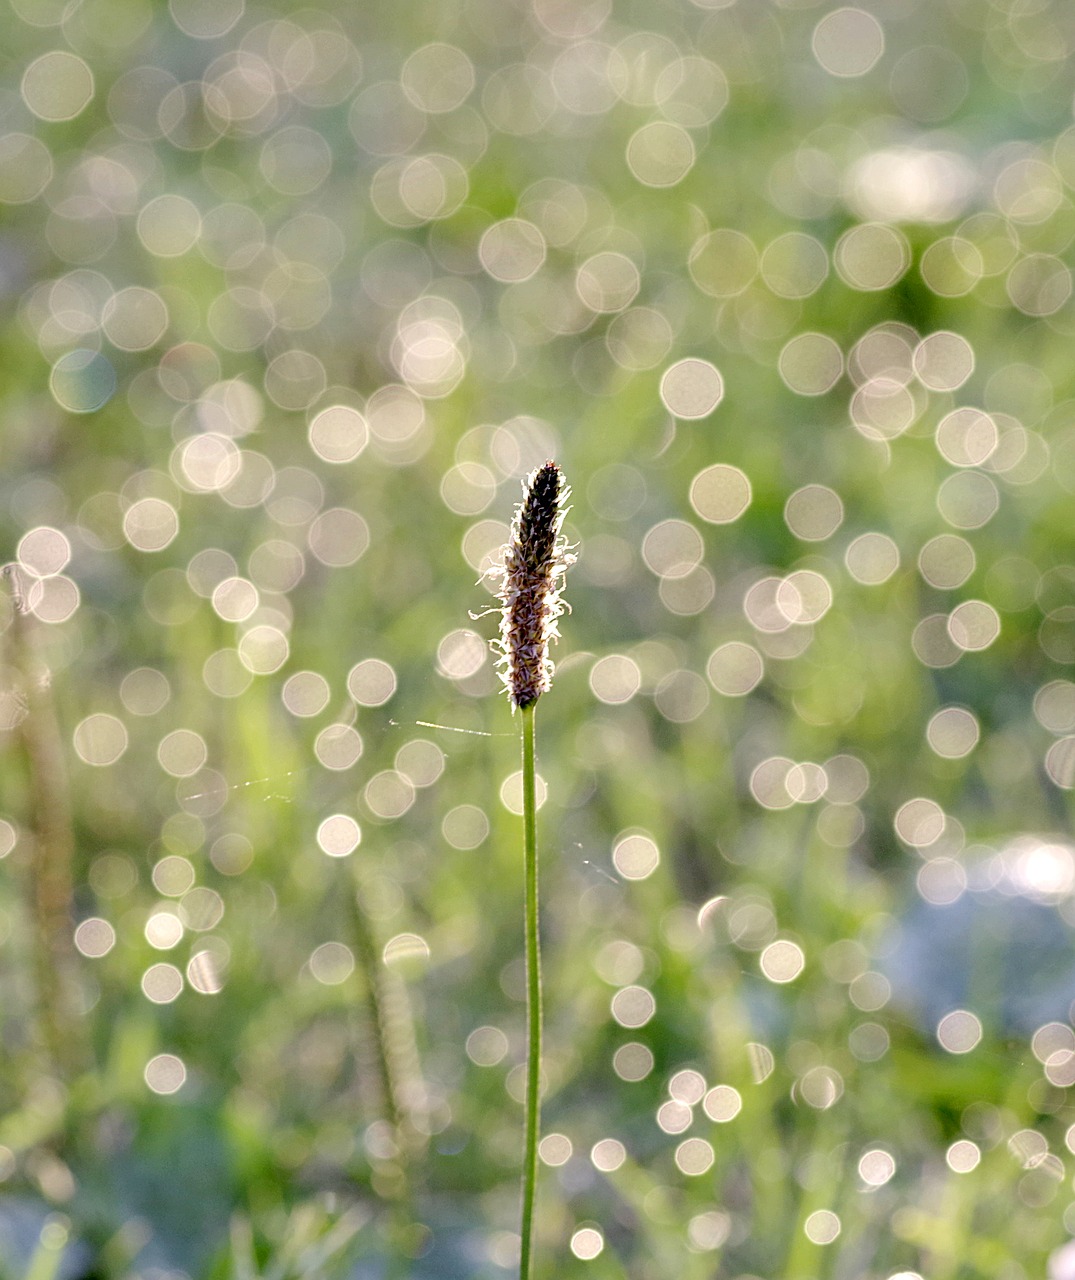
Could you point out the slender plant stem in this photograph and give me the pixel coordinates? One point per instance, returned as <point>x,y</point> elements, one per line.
<point>388,1057</point>
<point>533,994</point>
<point>396,1059</point>
<point>52,861</point>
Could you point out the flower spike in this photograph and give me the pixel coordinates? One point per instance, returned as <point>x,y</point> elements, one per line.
<point>535,562</point>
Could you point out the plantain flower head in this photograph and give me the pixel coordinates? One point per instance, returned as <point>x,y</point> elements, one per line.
<point>535,562</point>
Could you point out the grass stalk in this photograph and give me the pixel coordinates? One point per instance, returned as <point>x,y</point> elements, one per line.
<point>533,993</point>
<point>53,854</point>
<point>535,561</point>
<point>396,1058</point>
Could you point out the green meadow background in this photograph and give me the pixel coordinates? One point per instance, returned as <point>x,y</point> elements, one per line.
<point>292,301</point>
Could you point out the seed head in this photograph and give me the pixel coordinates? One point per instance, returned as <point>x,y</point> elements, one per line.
<point>535,561</point>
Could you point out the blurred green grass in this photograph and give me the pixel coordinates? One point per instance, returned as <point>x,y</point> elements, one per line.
<point>272,1157</point>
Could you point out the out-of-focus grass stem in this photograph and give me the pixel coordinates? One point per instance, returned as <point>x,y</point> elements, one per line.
<point>394,1054</point>
<point>53,852</point>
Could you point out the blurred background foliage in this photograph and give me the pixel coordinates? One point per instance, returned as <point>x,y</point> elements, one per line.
<point>292,300</point>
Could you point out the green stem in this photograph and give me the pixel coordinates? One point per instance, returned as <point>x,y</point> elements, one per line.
<point>377,999</point>
<point>389,1016</point>
<point>53,855</point>
<point>533,994</point>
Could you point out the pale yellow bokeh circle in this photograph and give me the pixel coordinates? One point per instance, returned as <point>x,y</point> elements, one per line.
<point>58,85</point>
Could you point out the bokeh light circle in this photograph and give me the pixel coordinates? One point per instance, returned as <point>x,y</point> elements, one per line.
<point>82,381</point>
<point>660,154</point>
<point>691,388</point>
<point>58,85</point>
<point>848,42</point>
<point>720,493</point>
<point>959,1032</point>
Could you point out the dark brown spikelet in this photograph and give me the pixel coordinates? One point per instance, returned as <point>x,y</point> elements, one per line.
<point>535,562</point>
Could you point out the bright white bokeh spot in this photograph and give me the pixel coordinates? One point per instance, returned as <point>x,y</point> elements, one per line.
<point>511,251</point>
<point>722,1103</point>
<point>822,1226</point>
<point>963,1156</point>
<point>872,558</point>
<point>687,1086</point>
<point>165,1073</point>
<point>720,494</point>
<point>608,1155</point>
<point>95,937</point>
<point>633,1006</point>
<point>162,983</point>
<point>920,822</point>
<point>371,682</point>
<point>615,678</point>
<point>959,1031</point>
<point>953,732</point>
<point>150,524</point>
<point>587,1243</point>
<point>338,434</point>
<point>943,361</point>
<point>43,552</point>
<point>633,1062</point>
<point>164,930</point>
<point>973,625</point>
<point>338,747</point>
<point>635,856</point>
<point>872,256</point>
<point>182,753</point>
<point>814,512</point>
<point>694,1156</point>
<point>338,835</point>
<point>305,694</point>
<point>782,961</point>
<point>811,364</point>
<point>876,1167</point>
<point>691,388</point>
<point>735,668</point>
